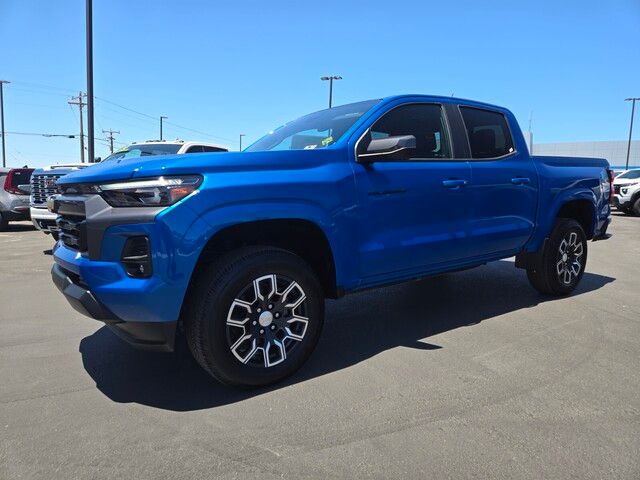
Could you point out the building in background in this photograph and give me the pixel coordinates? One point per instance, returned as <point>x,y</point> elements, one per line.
<point>614,151</point>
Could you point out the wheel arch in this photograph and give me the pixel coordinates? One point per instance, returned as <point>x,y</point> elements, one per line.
<point>581,210</point>
<point>300,236</point>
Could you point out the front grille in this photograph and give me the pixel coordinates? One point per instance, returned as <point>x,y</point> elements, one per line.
<point>42,187</point>
<point>72,231</point>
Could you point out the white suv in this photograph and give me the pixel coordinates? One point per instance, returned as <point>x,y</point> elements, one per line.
<point>164,147</point>
<point>626,188</point>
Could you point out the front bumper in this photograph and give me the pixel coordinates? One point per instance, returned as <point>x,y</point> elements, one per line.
<point>43,219</point>
<point>91,275</point>
<point>157,336</point>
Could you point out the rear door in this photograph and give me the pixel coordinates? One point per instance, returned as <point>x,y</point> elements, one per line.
<point>503,191</point>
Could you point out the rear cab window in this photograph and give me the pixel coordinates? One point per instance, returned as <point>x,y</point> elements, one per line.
<point>488,133</point>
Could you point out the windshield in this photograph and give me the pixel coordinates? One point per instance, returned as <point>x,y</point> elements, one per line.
<point>630,174</point>
<point>316,130</point>
<point>144,150</point>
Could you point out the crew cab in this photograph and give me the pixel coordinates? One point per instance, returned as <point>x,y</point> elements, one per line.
<point>238,251</point>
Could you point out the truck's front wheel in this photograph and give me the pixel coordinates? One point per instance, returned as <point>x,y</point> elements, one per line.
<point>254,316</point>
<point>563,261</point>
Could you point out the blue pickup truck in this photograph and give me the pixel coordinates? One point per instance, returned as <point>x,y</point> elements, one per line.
<point>236,252</point>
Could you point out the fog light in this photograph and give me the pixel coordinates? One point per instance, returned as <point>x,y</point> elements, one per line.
<point>136,257</point>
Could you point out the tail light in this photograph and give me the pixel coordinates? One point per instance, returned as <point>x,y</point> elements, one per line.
<point>17,177</point>
<point>611,179</point>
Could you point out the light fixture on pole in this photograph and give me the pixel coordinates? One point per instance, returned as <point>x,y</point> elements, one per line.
<point>331,78</point>
<point>633,109</point>
<point>162,117</point>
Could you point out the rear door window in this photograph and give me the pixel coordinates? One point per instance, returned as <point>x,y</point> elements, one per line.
<point>194,149</point>
<point>488,133</point>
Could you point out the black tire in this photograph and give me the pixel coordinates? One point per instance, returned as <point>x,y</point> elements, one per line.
<point>3,222</point>
<point>55,235</point>
<point>213,303</point>
<point>554,269</point>
<point>636,207</point>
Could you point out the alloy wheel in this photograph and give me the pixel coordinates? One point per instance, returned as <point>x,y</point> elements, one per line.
<point>267,320</point>
<point>569,259</point>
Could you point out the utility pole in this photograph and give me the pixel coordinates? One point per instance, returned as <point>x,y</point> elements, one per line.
<point>80,103</point>
<point>241,135</point>
<point>331,79</point>
<point>162,117</point>
<point>633,108</point>
<point>91,132</point>
<point>4,154</point>
<point>110,138</point>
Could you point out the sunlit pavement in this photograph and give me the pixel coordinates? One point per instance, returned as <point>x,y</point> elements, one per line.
<point>466,375</point>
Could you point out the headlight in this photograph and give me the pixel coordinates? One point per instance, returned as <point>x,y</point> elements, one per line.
<point>150,192</point>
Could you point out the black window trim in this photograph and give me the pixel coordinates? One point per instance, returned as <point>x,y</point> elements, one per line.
<point>466,134</point>
<point>443,110</point>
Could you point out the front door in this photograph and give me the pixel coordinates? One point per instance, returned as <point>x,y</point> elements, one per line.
<point>413,211</point>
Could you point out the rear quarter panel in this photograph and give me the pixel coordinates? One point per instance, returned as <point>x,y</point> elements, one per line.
<point>564,179</point>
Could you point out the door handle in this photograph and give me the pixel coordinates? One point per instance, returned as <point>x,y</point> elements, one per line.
<point>454,183</point>
<point>520,180</point>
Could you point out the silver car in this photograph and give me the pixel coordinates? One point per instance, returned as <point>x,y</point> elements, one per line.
<point>14,195</point>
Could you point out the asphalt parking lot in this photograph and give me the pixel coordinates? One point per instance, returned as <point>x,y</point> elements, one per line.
<point>466,375</point>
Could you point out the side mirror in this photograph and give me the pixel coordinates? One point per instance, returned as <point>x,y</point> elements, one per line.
<point>387,149</point>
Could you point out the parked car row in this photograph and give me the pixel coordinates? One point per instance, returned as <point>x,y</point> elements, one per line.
<point>25,191</point>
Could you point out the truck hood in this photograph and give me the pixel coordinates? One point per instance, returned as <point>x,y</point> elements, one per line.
<point>62,169</point>
<point>201,163</point>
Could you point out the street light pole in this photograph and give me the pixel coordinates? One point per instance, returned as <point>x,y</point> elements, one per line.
<point>162,117</point>
<point>4,154</point>
<point>90,132</point>
<point>633,108</point>
<point>241,135</point>
<point>331,79</point>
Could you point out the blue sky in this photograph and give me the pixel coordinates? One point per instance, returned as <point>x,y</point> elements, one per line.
<point>225,68</point>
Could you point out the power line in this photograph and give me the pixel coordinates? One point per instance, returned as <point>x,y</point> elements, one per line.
<point>43,134</point>
<point>153,118</point>
<point>40,85</point>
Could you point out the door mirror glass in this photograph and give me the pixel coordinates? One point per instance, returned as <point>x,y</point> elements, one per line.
<point>389,148</point>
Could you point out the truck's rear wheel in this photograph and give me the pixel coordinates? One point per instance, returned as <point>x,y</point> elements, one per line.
<point>255,316</point>
<point>563,260</point>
